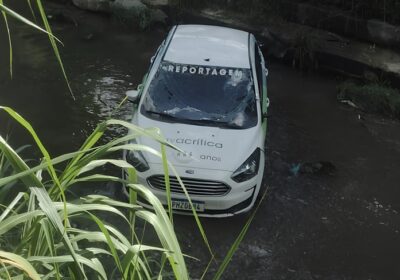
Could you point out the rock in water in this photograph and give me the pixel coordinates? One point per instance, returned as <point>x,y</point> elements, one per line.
<point>132,11</point>
<point>93,5</point>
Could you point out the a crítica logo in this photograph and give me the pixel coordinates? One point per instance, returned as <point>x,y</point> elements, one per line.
<point>195,142</point>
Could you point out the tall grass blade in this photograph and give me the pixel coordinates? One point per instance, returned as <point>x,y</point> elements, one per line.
<point>96,236</point>
<point>47,207</point>
<point>163,261</point>
<point>88,144</point>
<point>53,44</point>
<point>30,171</point>
<point>110,243</point>
<point>30,129</point>
<point>17,219</point>
<point>50,244</point>
<point>39,143</point>
<point>19,166</point>
<point>20,263</point>
<point>166,180</point>
<point>101,162</point>
<point>11,205</point>
<point>238,240</point>
<point>132,263</point>
<point>131,178</point>
<point>89,199</point>
<point>207,268</point>
<point>74,209</point>
<point>196,217</point>
<point>4,268</point>
<point>95,265</point>
<point>26,21</point>
<point>164,229</point>
<point>31,9</point>
<point>9,40</point>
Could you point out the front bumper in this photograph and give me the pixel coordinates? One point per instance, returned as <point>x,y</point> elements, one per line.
<point>240,198</point>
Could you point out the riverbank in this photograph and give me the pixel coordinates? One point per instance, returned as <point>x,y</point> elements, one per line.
<point>302,34</point>
<point>313,48</point>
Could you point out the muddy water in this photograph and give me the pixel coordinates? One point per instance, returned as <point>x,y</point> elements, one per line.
<point>342,223</point>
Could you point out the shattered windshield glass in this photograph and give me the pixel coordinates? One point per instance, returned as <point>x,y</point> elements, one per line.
<point>202,95</point>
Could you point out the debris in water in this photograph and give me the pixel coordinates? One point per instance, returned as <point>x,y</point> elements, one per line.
<point>295,169</point>
<point>350,103</point>
<point>259,252</point>
<point>319,167</point>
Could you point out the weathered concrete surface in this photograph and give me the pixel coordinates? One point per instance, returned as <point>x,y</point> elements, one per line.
<point>282,38</point>
<point>331,19</point>
<point>156,3</point>
<point>141,13</point>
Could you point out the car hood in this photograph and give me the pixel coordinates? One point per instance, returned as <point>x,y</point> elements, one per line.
<point>204,146</point>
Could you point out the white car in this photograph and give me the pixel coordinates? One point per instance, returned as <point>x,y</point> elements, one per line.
<point>206,90</point>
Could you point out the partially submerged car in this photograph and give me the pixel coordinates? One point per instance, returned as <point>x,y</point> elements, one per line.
<point>206,90</point>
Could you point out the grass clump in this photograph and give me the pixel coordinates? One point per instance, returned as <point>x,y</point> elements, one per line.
<point>40,234</point>
<point>373,98</point>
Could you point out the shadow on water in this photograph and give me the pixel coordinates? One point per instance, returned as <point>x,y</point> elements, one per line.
<point>341,224</point>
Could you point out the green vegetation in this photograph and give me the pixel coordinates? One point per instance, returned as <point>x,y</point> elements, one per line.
<point>374,98</point>
<point>39,230</point>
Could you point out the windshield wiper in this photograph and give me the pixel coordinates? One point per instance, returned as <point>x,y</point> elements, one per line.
<point>202,122</point>
<point>216,123</point>
<point>162,115</point>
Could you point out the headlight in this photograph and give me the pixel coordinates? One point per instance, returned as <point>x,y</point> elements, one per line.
<point>248,169</point>
<point>137,160</point>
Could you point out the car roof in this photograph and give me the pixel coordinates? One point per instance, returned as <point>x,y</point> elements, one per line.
<point>209,45</point>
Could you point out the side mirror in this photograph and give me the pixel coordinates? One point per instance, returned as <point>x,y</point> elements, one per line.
<point>266,115</point>
<point>133,95</point>
<point>266,72</point>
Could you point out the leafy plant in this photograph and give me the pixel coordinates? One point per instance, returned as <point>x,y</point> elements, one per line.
<point>374,98</point>
<point>40,226</point>
<point>7,170</point>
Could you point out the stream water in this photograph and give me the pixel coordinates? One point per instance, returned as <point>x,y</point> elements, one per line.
<point>340,224</point>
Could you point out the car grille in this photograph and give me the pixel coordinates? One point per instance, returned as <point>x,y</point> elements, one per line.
<point>193,186</point>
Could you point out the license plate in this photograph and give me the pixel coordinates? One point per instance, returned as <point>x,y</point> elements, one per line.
<point>181,204</point>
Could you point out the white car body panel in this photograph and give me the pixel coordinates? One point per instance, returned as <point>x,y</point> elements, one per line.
<point>205,147</point>
<point>209,45</point>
